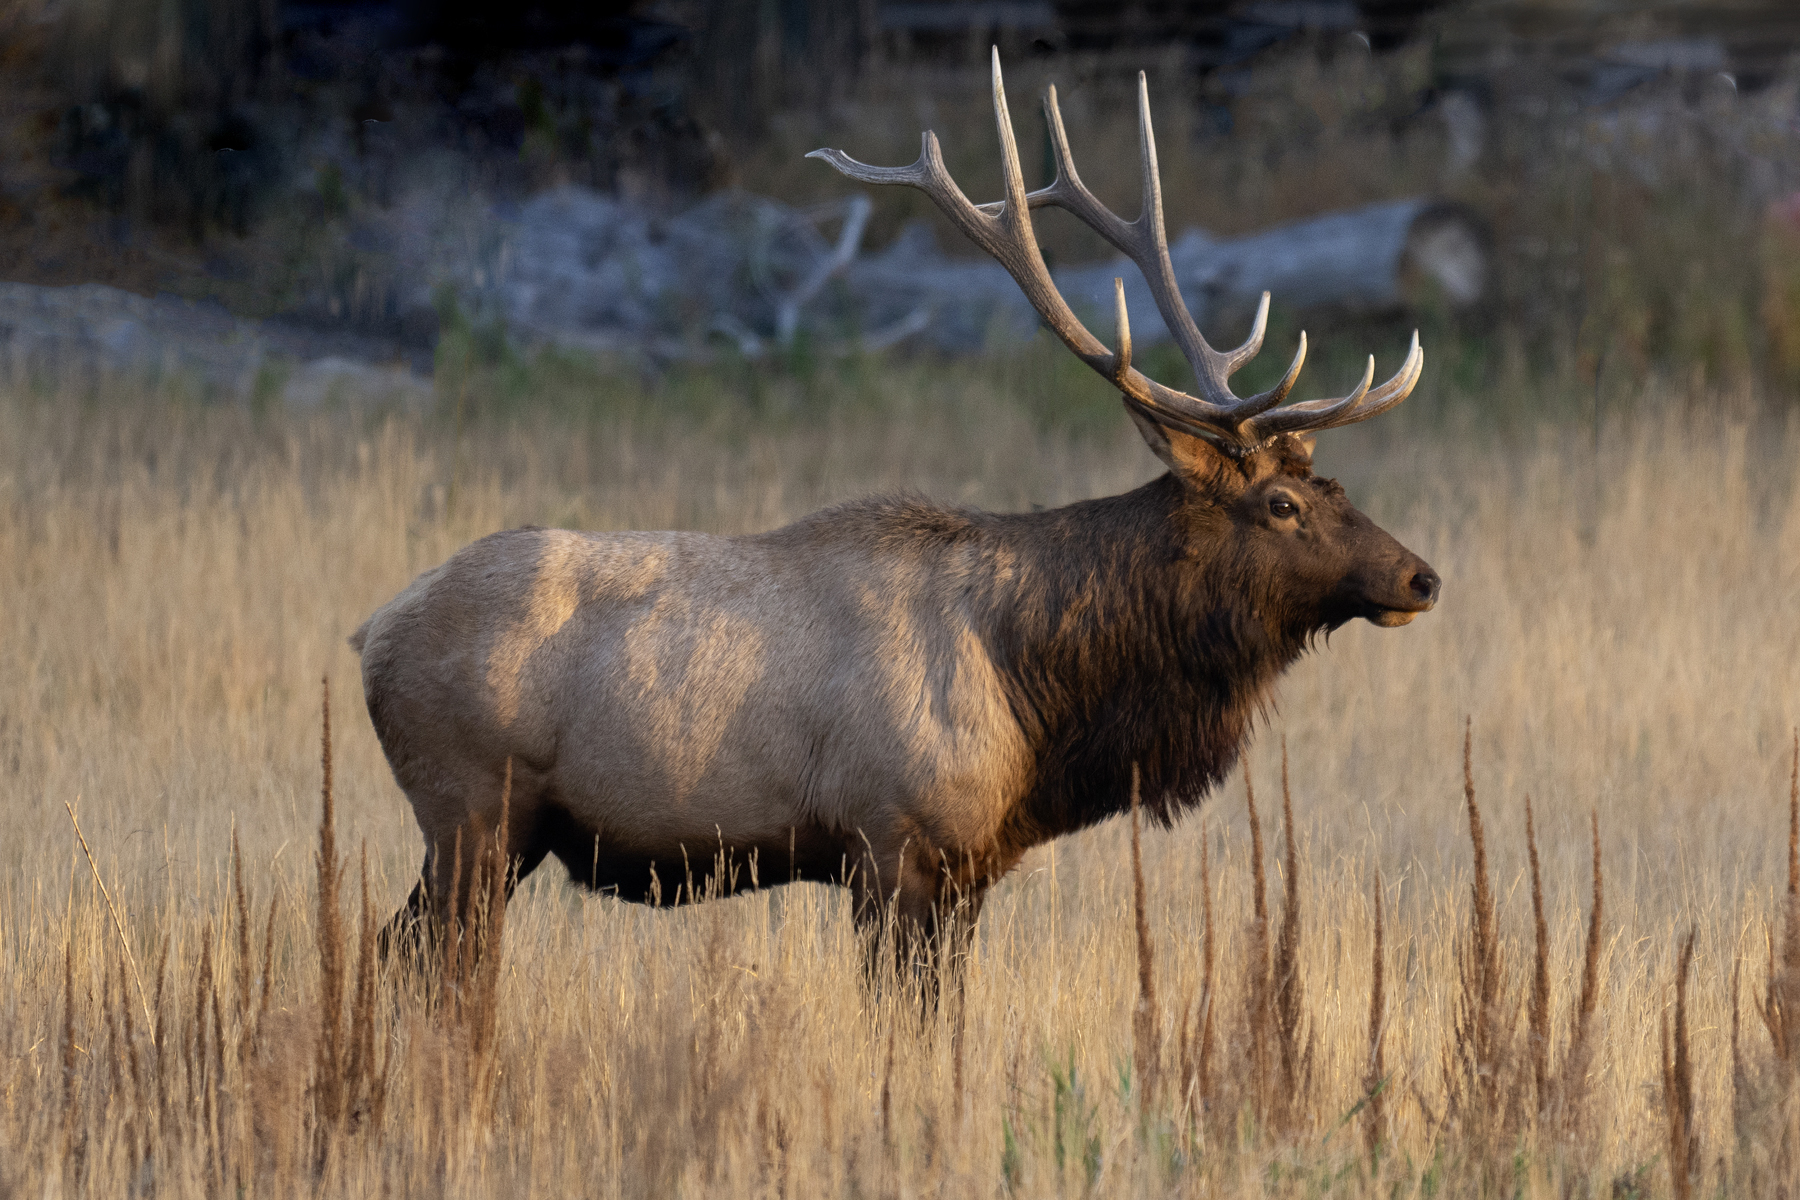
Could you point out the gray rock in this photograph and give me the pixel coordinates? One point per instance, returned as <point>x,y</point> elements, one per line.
<point>91,333</point>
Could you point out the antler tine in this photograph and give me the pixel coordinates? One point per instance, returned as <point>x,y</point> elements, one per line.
<point>926,173</point>
<point>1152,258</point>
<point>1253,344</point>
<point>1310,414</point>
<point>988,226</point>
<point>1020,254</point>
<point>1361,404</point>
<point>1122,319</point>
<point>1390,393</point>
<point>1145,242</point>
<point>1068,193</point>
<point>1015,210</point>
<point>1263,401</point>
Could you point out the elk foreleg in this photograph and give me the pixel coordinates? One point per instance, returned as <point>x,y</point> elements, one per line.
<point>918,922</point>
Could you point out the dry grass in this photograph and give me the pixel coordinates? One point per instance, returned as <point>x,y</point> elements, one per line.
<point>1618,624</point>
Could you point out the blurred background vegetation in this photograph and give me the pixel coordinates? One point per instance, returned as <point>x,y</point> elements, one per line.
<point>1635,163</point>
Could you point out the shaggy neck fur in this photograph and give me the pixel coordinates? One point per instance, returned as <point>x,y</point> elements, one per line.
<point>1125,638</point>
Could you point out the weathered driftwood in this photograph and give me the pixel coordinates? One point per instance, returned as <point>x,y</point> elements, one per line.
<point>1386,255</point>
<point>586,270</point>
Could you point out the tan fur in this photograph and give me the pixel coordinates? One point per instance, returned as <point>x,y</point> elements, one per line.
<point>672,691</point>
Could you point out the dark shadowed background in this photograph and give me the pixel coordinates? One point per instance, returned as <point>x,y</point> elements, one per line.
<point>374,174</point>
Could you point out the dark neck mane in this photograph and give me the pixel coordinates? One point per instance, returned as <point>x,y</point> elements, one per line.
<point>1115,652</point>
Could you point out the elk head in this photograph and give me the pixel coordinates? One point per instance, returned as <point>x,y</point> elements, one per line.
<point>1251,506</point>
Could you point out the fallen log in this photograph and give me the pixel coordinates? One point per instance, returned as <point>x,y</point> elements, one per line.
<point>1392,255</point>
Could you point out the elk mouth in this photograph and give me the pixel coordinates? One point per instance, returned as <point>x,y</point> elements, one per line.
<point>1421,592</point>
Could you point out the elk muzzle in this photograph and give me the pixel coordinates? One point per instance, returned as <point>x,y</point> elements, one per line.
<point>1416,588</point>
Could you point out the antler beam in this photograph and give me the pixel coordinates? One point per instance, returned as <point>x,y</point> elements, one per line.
<point>1003,229</point>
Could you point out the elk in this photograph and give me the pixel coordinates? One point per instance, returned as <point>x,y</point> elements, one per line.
<point>893,695</point>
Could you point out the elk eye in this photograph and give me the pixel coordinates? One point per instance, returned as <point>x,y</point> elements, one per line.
<point>1282,508</point>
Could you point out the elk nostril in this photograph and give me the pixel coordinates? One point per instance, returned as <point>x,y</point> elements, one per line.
<point>1424,586</point>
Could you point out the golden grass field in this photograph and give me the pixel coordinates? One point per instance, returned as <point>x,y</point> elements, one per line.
<point>1618,626</point>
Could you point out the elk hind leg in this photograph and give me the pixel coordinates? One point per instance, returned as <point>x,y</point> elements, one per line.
<point>463,888</point>
<point>408,933</point>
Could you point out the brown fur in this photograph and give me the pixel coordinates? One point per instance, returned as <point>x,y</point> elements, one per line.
<point>894,695</point>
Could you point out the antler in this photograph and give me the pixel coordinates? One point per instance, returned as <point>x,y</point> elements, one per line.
<point>1003,229</point>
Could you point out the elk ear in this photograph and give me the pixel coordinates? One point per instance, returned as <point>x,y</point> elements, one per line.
<point>1191,458</point>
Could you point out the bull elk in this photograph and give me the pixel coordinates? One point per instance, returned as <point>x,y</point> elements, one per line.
<point>896,696</point>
